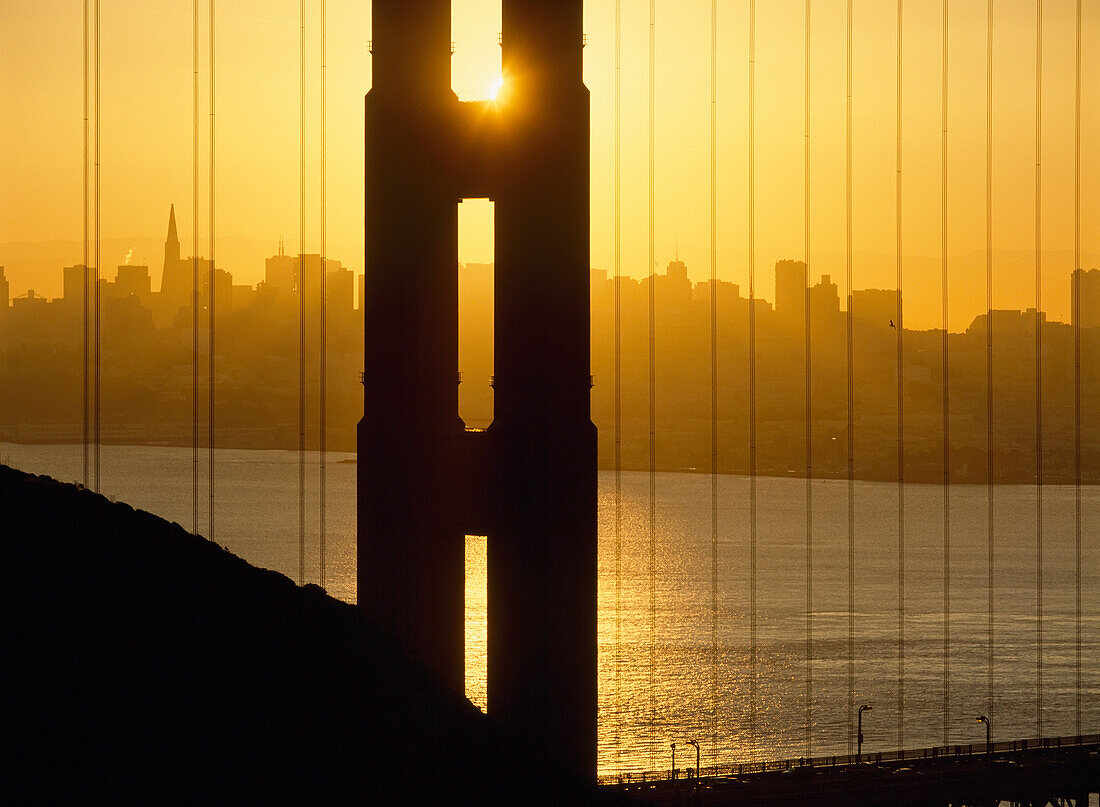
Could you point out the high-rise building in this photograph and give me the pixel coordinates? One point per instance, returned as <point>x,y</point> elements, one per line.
<point>339,290</point>
<point>677,271</point>
<point>673,292</point>
<point>824,302</point>
<point>223,289</point>
<point>73,280</point>
<point>790,291</point>
<point>176,278</point>
<point>308,277</point>
<point>5,291</point>
<point>132,281</point>
<point>242,296</point>
<point>282,277</point>
<point>281,274</point>
<point>1086,283</point>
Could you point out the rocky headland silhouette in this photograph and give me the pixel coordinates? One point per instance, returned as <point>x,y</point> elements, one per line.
<point>149,665</point>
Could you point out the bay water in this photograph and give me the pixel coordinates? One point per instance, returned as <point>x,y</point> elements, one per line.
<point>676,655</point>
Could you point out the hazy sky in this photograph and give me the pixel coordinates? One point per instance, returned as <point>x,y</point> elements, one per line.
<point>146,147</point>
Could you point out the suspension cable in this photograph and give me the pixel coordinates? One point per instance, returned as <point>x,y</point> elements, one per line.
<point>211,293</point>
<point>752,381</point>
<point>808,411</point>
<point>1039,368</point>
<point>323,369</point>
<point>850,368</point>
<point>617,248</point>
<point>1077,369</point>
<point>989,390</point>
<point>195,269</point>
<point>714,375</point>
<point>652,372</point>
<point>96,412</point>
<point>84,266</point>
<point>945,371</point>
<point>899,338</point>
<point>301,292</point>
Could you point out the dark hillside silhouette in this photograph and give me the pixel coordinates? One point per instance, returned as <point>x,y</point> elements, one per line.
<point>147,665</point>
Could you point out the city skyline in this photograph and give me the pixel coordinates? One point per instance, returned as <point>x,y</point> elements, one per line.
<point>961,319</point>
<point>143,336</point>
<point>147,128</point>
<point>252,275</point>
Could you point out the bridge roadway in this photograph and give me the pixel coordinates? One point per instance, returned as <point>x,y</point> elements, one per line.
<point>1049,770</point>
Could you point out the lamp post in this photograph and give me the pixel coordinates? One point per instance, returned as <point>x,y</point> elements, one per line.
<point>988,733</point>
<point>859,731</point>
<point>673,760</point>
<point>696,744</point>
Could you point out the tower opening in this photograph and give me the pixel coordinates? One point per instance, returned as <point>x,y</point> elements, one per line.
<point>477,620</point>
<point>475,64</point>
<point>475,312</point>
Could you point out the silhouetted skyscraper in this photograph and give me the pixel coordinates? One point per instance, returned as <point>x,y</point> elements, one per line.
<point>73,279</point>
<point>339,289</point>
<point>529,481</point>
<point>1087,283</point>
<point>281,273</point>
<point>5,291</point>
<point>132,280</point>
<point>175,280</point>
<point>824,302</point>
<point>790,291</point>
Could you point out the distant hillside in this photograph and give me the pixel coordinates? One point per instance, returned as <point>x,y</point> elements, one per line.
<point>147,665</point>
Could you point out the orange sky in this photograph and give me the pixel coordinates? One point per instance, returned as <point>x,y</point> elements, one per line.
<point>146,157</point>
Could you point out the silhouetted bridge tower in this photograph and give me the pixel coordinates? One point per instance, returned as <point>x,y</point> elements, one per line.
<point>529,481</point>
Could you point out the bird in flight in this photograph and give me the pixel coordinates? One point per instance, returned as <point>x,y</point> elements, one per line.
<point>892,324</point>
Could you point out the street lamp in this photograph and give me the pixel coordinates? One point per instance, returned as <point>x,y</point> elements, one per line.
<point>696,744</point>
<point>988,734</point>
<point>673,760</point>
<point>859,731</point>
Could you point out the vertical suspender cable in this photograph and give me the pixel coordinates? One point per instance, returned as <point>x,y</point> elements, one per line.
<point>1077,370</point>
<point>652,371</point>
<point>899,338</point>
<point>84,266</point>
<point>616,249</point>
<point>752,379</point>
<point>990,434</point>
<point>808,410</point>
<point>301,291</point>
<point>850,366</point>
<point>714,373</point>
<point>212,296</point>
<point>323,369</point>
<point>945,400</point>
<point>195,268</point>
<point>95,273</point>
<point>1039,369</point>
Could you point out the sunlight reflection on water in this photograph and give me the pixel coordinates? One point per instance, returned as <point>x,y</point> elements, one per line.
<point>688,692</point>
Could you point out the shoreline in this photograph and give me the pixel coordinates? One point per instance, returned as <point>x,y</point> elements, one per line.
<point>924,476</point>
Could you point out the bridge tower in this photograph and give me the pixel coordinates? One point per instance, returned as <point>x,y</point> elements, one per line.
<point>529,481</point>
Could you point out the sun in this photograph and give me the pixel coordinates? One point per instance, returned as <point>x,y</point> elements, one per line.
<point>496,87</point>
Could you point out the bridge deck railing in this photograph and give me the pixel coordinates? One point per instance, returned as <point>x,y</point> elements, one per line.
<point>899,756</point>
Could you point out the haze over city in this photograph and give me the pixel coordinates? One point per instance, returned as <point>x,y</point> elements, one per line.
<point>147,126</point>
